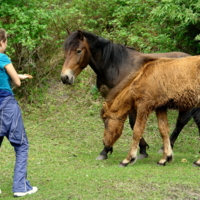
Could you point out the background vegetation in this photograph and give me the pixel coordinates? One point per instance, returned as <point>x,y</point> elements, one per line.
<point>37,30</point>
<point>62,122</point>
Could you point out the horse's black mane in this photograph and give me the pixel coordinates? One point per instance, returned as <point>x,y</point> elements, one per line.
<point>112,55</point>
<point>148,63</point>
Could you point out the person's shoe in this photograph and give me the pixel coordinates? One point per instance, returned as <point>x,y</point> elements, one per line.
<point>21,194</point>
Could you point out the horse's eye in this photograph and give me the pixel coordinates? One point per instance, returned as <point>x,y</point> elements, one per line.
<point>78,51</point>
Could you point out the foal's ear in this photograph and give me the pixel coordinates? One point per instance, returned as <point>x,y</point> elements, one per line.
<point>68,31</point>
<point>105,106</point>
<point>80,35</point>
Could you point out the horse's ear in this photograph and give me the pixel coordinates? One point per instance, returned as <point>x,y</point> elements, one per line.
<point>80,35</point>
<point>68,31</point>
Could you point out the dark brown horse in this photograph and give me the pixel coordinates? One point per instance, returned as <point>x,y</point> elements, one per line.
<point>112,63</point>
<point>172,83</point>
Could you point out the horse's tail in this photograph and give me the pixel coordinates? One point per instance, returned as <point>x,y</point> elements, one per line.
<point>1,140</point>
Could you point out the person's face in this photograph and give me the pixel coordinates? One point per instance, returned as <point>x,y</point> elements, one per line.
<point>3,46</point>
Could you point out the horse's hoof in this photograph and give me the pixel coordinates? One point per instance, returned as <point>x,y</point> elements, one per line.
<point>142,156</point>
<point>102,157</point>
<point>121,164</point>
<point>196,164</point>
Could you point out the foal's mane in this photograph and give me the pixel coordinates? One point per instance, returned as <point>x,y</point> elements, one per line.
<point>112,54</point>
<point>149,63</point>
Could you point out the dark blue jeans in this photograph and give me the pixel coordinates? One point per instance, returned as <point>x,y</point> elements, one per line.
<point>20,184</point>
<point>11,126</point>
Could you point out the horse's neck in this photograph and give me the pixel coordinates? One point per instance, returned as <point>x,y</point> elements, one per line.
<point>109,75</point>
<point>103,80</point>
<point>167,55</point>
<point>94,65</point>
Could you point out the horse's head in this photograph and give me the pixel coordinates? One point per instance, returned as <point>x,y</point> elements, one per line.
<point>78,56</point>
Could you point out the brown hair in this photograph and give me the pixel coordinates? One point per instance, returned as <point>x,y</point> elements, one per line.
<point>3,35</point>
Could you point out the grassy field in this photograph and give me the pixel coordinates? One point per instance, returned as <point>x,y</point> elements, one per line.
<point>65,135</point>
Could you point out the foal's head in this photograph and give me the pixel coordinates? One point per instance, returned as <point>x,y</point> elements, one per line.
<point>77,56</point>
<point>113,123</point>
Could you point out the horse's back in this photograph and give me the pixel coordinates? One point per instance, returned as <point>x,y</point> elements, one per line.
<point>169,55</point>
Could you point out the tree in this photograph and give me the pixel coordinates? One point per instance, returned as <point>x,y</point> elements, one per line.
<point>33,38</point>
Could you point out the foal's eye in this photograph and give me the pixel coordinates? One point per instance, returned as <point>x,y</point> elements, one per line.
<point>78,51</point>
<point>106,123</point>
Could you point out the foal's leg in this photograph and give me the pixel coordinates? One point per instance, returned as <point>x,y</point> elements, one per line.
<point>183,118</point>
<point>164,131</point>
<point>143,145</point>
<point>137,134</point>
<point>197,163</point>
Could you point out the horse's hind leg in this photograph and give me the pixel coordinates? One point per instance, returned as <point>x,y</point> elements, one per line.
<point>1,140</point>
<point>164,131</point>
<point>142,144</point>
<point>196,116</point>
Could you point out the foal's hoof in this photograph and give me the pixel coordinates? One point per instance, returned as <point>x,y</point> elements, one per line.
<point>102,157</point>
<point>121,164</point>
<point>196,164</point>
<point>169,159</point>
<point>161,164</point>
<point>142,156</point>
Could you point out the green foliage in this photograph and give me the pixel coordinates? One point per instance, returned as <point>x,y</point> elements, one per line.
<point>37,33</point>
<point>124,22</point>
<point>26,25</point>
<point>180,20</point>
<point>33,39</point>
<point>150,26</point>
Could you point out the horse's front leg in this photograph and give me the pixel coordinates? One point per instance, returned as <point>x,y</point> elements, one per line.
<point>164,131</point>
<point>109,139</point>
<point>137,135</point>
<point>142,144</point>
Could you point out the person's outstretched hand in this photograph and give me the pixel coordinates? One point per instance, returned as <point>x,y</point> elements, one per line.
<point>24,76</point>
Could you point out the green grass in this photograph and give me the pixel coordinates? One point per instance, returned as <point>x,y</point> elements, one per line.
<point>65,135</point>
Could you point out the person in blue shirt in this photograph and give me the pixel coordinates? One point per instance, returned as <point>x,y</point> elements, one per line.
<point>11,123</point>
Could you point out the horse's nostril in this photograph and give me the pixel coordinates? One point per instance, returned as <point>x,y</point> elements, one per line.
<point>64,79</point>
